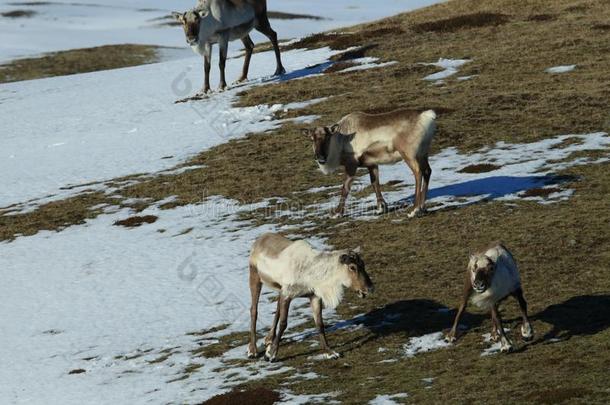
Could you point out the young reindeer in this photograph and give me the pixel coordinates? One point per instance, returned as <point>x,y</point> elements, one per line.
<point>295,269</point>
<point>369,140</point>
<point>491,276</point>
<point>221,21</point>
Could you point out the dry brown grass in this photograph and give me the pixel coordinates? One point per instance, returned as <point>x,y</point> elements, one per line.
<point>78,61</point>
<point>563,249</point>
<point>18,14</point>
<point>135,221</point>
<point>259,395</point>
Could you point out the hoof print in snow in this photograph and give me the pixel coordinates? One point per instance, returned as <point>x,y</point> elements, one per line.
<point>77,371</point>
<point>136,221</point>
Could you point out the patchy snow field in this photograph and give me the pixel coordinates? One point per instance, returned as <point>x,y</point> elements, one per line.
<point>61,25</point>
<point>126,123</point>
<point>100,313</point>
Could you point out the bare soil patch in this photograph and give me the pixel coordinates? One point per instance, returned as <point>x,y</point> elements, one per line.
<point>479,168</point>
<point>78,61</point>
<point>18,14</point>
<point>259,396</point>
<point>136,221</point>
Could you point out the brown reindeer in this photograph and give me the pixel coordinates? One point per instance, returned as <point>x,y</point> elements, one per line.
<point>221,21</point>
<point>295,269</point>
<point>492,275</point>
<point>369,140</point>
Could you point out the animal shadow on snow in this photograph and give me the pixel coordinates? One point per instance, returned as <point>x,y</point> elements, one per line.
<point>492,188</point>
<point>408,317</point>
<point>578,316</point>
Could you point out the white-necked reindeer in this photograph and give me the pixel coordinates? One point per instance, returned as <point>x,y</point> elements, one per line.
<point>221,21</point>
<point>369,140</point>
<point>492,275</point>
<point>296,269</point>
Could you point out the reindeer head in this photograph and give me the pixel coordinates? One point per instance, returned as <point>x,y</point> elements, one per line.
<point>481,269</point>
<point>320,136</point>
<point>359,279</point>
<point>190,23</point>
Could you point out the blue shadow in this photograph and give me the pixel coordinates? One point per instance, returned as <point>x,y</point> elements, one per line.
<point>308,71</point>
<point>492,187</point>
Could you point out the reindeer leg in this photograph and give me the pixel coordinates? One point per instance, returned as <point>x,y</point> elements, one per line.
<point>452,335</point>
<point>248,46</point>
<point>255,292</point>
<point>414,166</point>
<point>382,207</point>
<point>427,172</point>
<point>527,332</point>
<point>271,352</point>
<point>271,335</point>
<point>316,308</point>
<point>264,27</point>
<point>506,345</point>
<point>207,63</point>
<point>223,46</point>
<point>350,172</point>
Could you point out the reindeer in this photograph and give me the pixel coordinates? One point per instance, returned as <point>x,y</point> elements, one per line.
<point>491,276</point>
<point>369,140</point>
<point>295,269</point>
<point>221,21</point>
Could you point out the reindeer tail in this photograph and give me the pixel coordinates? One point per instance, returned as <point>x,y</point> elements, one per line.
<point>427,120</point>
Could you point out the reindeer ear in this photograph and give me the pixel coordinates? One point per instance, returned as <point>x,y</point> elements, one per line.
<point>334,128</point>
<point>344,259</point>
<point>178,16</point>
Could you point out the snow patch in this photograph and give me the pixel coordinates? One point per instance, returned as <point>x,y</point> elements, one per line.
<point>387,399</point>
<point>449,66</point>
<point>425,343</point>
<point>561,69</point>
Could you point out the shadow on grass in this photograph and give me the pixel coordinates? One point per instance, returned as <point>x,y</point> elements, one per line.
<point>406,317</point>
<point>578,316</point>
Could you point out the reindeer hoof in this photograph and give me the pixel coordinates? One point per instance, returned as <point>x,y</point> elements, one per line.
<point>506,349</point>
<point>450,338</point>
<point>270,354</point>
<point>279,71</point>
<point>527,333</point>
<point>337,214</point>
<point>506,346</point>
<point>331,355</point>
<point>382,208</point>
<point>415,213</point>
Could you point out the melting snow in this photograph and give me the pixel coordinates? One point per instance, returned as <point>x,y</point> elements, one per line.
<point>425,343</point>
<point>561,69</point>
<point>387,399</point>
<point>449,66</point>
